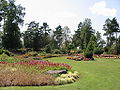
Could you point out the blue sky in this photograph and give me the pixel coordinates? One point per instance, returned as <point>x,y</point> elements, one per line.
<point>70,12</point>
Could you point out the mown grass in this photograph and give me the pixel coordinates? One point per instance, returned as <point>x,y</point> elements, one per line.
<point>101,74</point>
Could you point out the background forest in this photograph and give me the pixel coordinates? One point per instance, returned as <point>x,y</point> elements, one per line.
<point>59,40</point>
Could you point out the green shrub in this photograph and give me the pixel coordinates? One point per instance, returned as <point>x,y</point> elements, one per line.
<point>98,51</point>
<point>90,48</point>
<point>88,54</point>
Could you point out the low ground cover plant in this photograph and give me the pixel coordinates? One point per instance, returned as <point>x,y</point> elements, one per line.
<point>70,77</point>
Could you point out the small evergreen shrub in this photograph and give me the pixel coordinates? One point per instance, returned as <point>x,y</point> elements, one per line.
<point>90,48</point>
<point>88,54</point>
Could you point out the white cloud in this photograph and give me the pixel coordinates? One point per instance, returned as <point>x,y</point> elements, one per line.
<point>101,9</point>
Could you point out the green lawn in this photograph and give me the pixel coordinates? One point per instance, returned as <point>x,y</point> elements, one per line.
<point>101,74</point>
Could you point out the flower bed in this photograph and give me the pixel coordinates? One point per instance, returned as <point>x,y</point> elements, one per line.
<point>38,56</point>
<point>107,56</point>
<point>22,71</point>
<point>79,57</point>
<point>17,74</point>
<point>40,64</point>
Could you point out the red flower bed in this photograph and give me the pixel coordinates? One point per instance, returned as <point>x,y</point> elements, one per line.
<point>41,64</point>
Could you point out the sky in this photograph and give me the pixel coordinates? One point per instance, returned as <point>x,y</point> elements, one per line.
<point>70,12</point>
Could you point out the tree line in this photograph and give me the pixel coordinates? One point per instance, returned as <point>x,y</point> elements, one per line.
<point>59,40</point>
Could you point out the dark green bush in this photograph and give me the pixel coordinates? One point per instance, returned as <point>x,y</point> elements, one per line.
<point>88,54</point>
<point>90,48</point>
<point>98,51</point>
